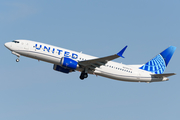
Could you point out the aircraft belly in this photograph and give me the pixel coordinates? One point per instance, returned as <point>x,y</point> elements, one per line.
<point>41,56</point>
<point>117,75</point>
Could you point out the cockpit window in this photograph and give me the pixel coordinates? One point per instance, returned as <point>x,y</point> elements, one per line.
<point>15,41</point>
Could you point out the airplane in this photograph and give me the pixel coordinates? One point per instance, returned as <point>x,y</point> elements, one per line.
<point>67,61</point>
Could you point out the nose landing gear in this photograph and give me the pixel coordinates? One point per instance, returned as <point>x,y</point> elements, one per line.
<point>17,60</point>
<point>18,55</point>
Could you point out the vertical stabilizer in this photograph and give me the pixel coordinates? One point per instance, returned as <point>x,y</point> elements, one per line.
<point>158,64</point>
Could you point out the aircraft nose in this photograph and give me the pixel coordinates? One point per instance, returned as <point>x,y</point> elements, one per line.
<point>7,45</point>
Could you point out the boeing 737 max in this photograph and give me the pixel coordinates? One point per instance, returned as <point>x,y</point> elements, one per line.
<point>67,61</point>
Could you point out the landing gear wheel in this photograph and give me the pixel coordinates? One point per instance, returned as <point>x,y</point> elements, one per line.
<point>83,75</point>
<point>17,60</point>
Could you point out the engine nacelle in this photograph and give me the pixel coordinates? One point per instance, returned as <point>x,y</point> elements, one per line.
<point>61,69</point>
<point>68,63</point>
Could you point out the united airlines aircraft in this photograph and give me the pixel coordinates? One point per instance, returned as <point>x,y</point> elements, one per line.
<point>67,61</point>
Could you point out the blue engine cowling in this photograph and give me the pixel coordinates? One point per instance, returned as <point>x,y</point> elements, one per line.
<point>61,69</point>
<point>68,63</point>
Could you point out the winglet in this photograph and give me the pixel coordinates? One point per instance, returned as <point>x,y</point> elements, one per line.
<point>121,52</point>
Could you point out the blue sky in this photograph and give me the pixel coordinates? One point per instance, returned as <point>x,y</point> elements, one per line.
<point>33,90</point>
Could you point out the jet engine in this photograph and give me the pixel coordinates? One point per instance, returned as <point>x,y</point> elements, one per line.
<point>61,69</point>
<point>68,63</point>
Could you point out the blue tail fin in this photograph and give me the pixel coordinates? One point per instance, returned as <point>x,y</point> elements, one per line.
<point>158,64</point>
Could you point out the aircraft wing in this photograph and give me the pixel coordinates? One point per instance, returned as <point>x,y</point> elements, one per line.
<point>92,64</point>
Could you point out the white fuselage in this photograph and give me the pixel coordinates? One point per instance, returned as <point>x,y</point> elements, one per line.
<point>53,54</point>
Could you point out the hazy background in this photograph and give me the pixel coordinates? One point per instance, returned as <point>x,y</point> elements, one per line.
<point>32,90</point>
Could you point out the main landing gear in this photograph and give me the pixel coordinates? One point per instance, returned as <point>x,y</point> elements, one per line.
<point>83,75</point>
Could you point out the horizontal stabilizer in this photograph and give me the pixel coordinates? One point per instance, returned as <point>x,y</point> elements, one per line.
<point>163,75</point>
